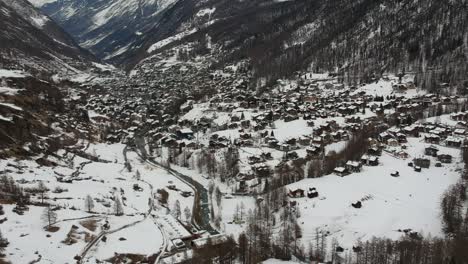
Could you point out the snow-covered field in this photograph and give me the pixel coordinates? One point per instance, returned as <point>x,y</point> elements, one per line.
<point>134,236</point>
<point>239,205</point>
<point>388,203</point>
<point>385,87</point>
<point>102,181</point>
<point>29,241</point>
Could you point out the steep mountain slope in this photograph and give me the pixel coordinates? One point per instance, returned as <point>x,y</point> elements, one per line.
<point>108,28</point>
<point>357,40</point>
<point>32,41</point>
<point>37,116</point>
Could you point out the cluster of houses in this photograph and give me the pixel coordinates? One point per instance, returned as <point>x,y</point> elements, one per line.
<point>395,138</point>
<point>431,151</point>
<point>155,101</point>
<point>371,158</point>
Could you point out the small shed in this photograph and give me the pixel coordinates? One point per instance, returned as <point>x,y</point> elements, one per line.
<point>422,162</point>
<point>431,151</point>
<point>341,171</point>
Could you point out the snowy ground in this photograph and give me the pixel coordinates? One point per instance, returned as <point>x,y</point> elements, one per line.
<point>229,207</point>
<point>385,87</point>
<point>277,261</point>
<point>102,181</point>
<point>133,241</point>
<point>443,119</point>
<point>28,239</point>
<point>409,201</point>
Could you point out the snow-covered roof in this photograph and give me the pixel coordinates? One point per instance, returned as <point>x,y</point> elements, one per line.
<point>454,139</point>
<point>215,239</point>
<point>186,131</point>
<point>352,163</point>
<point>340,169</point>
<point>173,227</point>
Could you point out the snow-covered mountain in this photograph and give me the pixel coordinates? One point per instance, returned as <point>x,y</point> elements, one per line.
<point>108,28</point>
<point>32,40</point>
<point>357,40</point>
<point>278,37</point>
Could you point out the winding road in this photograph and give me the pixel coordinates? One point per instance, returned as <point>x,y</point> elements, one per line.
<point>201,205</point>
<point>201,197</point>
<point>98,238</point>
<point>201,193</point>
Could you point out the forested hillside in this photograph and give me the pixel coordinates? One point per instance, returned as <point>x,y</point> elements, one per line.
<point>358,40</point>
<point>31,40</point>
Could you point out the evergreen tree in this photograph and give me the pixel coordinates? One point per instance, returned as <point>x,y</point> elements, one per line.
<point>3,243</point>
<point>243,247</point>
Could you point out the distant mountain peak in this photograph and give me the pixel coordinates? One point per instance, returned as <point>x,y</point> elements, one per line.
<point>40,3</point>
<point>108,28</point>
<point>31,40</point>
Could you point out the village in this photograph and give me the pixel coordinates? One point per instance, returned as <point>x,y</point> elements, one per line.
<point>307,120</point>
<point>226,146</point>
<point>306,128</point>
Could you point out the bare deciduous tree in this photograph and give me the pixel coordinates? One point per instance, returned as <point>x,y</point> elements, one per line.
<point>176,210</point>
<point>118,207</point>
<point>49,216</point>
<point>188,214</point>
<point>89,203</point>
<point>42,189</point>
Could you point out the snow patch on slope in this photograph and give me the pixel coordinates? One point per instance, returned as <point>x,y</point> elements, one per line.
<point>9,91</point>
<point>12,74</point>
<point>41,3</point>
<point>40,21</point>
<point>28,12</point>
<point>207,11</point>
<point>169,40</point>
<point>121,8</point>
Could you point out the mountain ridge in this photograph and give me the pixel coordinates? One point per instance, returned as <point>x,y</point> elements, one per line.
<point>356,40</point>
<point>34,42</point>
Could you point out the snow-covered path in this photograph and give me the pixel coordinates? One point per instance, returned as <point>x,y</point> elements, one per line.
<point>98,238</point>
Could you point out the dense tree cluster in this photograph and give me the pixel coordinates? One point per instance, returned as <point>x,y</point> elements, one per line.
<point>215,163</point>
<point>357,40</point>
<point>10,190</point>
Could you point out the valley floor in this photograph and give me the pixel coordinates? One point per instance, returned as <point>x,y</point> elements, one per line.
<point>137,231</point>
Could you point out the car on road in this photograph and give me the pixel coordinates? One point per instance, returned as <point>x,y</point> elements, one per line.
<point>186,194</point>
<point>178,243</point>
